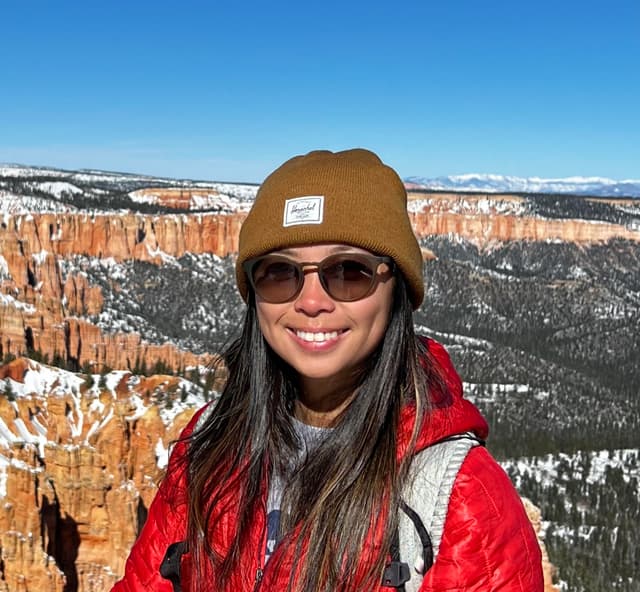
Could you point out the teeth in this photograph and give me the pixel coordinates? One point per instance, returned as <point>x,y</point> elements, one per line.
<point>317,337</point>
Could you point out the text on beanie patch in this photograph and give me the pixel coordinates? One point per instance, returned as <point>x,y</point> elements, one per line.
<point>303,210</point>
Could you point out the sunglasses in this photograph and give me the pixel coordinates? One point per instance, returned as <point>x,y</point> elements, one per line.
<point>345,276</point>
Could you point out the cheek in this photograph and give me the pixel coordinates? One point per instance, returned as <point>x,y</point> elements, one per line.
<point>378,311</point>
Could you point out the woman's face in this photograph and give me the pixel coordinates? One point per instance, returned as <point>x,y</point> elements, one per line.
<point>323,338</point>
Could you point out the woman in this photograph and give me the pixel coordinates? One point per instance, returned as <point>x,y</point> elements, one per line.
<point>296,478</point>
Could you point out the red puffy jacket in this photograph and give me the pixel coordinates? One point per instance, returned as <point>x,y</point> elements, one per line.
<point>488,543</point>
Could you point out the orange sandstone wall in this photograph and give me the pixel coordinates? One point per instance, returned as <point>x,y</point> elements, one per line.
<point>69,518</point>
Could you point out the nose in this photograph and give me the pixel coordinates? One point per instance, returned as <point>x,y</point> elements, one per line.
<point>313,299</point>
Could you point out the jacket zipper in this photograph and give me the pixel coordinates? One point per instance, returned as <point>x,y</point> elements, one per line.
<point>261,550</point>
<point>259,574</point>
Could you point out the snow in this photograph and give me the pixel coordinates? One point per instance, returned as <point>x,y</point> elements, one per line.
<point>40,379</point>
<point>16,205</point>
<point>42,430</point>
<point>96,406</point>
<point>492,183</point>
<point>454,338</point>
<point>222,197</point>
<point>4,268</point>
<point>6,462</point>
<point>6,435</point>
<point>113,379</point>
<point>40,258</point>
<point>157,252</point>
<point>545,469</point>
<point>88,410</point>
<point>76,421</point>
<point>465,205</point>
<point>38,440</point>
<point>56,188</point>
<point>7,300</point>
<point>96,426</point>
<point>162,454</point>
<point>17,170</point>
<point>23,433</point>
<point>194,398</point>
<point>140,408</point>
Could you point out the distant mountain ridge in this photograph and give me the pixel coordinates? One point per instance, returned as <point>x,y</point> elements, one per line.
<point>596,186</point>
<point>473,182</point>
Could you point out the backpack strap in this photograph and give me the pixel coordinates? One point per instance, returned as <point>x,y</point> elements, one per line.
<point>170,566</point>
<point>396,573</point>
<point>426,501</point>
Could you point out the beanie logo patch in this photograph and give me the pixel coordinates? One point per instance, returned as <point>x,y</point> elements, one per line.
<point>303,210</point>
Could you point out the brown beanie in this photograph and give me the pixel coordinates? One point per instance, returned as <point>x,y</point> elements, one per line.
<point>346,197</point>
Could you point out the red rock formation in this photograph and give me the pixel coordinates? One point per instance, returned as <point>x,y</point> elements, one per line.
<point>123,236</point>
<point>488,218</point>
<point>484,229</point>
<point>34,316</point>
<point>81,298</point>
<point>73,505</point>
<point>178,198</point>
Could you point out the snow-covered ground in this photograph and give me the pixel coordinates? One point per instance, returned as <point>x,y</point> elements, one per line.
<point>465,205</point>
<point>560,468</point>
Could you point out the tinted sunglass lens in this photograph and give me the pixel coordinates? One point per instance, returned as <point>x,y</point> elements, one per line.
<point>348,279</point>
<point>276,281</point>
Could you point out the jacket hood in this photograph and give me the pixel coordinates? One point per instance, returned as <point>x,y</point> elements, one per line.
<point>450,414</point>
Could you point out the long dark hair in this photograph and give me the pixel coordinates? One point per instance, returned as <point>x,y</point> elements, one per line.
<point>343,494</point>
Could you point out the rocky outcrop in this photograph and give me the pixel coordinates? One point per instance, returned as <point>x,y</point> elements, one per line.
<point>484,229</point>
<point>549,571</point>
<point>126,236</point>
<point>41,312</point>
<point>81,465</point>
<point>485,218</point>
<point>82,461</point>
<point>123,235</point>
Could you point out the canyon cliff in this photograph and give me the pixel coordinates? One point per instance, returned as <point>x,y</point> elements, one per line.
<point>83,455</point>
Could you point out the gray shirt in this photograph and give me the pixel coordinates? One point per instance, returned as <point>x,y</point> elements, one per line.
<point>310,437</point>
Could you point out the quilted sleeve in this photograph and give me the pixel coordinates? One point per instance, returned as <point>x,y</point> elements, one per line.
<point>488,543</point>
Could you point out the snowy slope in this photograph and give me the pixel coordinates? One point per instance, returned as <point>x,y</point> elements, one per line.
<point>596,186</point>
<point>25,189</point>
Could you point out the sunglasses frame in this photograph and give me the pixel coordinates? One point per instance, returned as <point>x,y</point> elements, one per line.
<point>304,267</point>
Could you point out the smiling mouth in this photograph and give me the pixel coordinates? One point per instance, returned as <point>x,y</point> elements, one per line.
<point>318,336</point>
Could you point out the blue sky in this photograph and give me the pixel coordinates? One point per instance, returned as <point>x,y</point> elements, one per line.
<point>229,90</point>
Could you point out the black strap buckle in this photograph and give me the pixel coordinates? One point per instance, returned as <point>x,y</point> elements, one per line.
<point>396,574</point>
<point>170,566</point>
